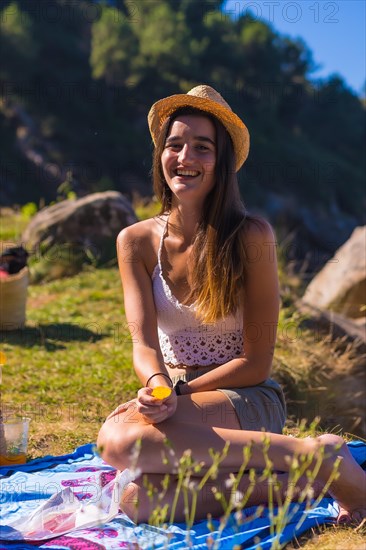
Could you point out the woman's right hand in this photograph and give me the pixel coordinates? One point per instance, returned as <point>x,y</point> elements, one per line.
<point>152,409</point>
<point>155,410</point>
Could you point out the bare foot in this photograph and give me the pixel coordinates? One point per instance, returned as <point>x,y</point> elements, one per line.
<point>355,517</point>
<point>349,490</point>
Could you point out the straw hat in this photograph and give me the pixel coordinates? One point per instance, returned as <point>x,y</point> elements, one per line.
<point>206,99</point>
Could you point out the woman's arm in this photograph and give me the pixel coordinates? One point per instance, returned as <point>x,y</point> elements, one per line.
<point>134,249</point>
<point>261,308</point>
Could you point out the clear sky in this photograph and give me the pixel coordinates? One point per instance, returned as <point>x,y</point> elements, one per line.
<point>333,30</point>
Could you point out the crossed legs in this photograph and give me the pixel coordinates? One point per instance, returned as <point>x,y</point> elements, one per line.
<point>192,428</point>
<point>139,502</point>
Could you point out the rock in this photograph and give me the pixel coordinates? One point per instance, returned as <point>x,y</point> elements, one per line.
<point>308,237</point>
<point>89,225</point>
<point>335,326</point>
<point>341,285</point>
<point>328,229</point>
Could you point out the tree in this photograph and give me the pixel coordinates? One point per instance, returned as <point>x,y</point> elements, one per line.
<point>334,118</point>
<point>19,48</point>
<point>295,63</point>
<point>113,47</point>
<point>164,44</point>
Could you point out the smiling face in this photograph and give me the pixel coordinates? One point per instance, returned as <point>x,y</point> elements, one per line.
<point>189,158</point>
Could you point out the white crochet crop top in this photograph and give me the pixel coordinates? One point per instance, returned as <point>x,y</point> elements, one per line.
<point>183,339</point>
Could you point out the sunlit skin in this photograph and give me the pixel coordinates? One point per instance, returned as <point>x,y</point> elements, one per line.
<point>189,157</point>
<point>188,162</point>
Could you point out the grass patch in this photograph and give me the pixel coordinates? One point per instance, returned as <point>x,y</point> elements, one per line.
<point>12,224</point>
<point>331,538</point>
<point>72,363</point>
<point>145,207</point>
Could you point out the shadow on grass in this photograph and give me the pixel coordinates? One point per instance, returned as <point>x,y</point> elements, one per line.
<point>52,336</point>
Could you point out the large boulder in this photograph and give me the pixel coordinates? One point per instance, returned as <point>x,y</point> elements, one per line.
<point>308,236</point>
<point>87,226</point>
<point>341,285</point>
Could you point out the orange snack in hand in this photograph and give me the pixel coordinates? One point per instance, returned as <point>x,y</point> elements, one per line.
<point>161,392</point>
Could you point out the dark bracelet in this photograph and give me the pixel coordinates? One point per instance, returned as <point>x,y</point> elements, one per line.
<point>159,374</point>
<point>177,388</point>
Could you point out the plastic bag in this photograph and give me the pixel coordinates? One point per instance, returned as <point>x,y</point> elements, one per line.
<point>63,512</point>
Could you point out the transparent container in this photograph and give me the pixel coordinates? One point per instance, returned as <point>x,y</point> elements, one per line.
<point>13,440</point>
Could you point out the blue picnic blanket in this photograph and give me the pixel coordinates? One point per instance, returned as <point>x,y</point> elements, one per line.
<point>31,484</point>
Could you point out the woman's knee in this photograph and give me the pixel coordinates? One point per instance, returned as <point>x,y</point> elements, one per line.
<point>117,440</point>
<point>326,444</point>
<point>330,443</point>
<point>328,447</point>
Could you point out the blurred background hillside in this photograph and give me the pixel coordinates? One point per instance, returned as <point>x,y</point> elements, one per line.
<point>78,78</point>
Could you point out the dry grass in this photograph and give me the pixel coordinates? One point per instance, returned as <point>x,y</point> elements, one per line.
<point>332,538</point>
<point>323,377</point>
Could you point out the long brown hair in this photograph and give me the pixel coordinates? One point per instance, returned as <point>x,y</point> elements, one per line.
<point>218,252</point>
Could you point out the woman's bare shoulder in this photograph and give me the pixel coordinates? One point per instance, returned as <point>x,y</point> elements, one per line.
<point>143,229</point>
<point>141,239</point>
<point>258,230</point>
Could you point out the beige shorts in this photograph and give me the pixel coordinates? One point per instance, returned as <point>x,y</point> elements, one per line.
<point>257,408</point>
